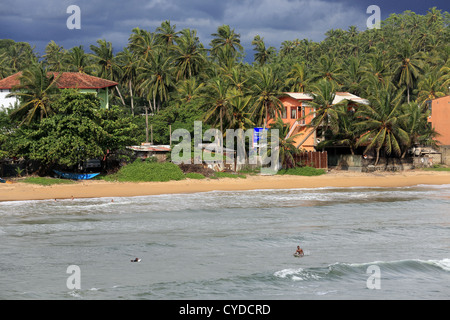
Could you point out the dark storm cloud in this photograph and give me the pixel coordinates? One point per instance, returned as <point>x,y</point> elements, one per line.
<point>39,22</point>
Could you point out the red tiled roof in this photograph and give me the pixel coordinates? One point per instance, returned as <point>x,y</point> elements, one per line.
<point>67,80</point>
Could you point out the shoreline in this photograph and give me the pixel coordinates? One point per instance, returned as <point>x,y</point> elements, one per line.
<point>20,191</point>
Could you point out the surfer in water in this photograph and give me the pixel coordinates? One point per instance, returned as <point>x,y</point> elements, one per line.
<point>299,252</point>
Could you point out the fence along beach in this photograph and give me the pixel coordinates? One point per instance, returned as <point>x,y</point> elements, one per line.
<point>18,191</point>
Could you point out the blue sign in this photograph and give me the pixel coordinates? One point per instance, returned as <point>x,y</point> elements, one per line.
<point>257,133</point>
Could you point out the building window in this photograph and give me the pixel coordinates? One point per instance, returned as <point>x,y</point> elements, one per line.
<point>284,113</point>
<point>428,104</point>
<point>301,115</point>
<point>293,112</point>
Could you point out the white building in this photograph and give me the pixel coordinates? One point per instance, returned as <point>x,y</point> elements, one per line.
<point>5,102</point>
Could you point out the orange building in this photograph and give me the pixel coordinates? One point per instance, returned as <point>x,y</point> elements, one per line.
<point>298,114</point>
<point>440,118</point>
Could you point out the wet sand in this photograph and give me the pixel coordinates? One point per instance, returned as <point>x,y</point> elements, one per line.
<point>96,188</point>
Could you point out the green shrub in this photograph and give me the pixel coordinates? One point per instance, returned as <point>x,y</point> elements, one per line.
<point>143,171</point>
<point>44,181</point>
<point>229,175</point>
<point>302,171</point>
<point>437,168</point>
<point>194,175</point>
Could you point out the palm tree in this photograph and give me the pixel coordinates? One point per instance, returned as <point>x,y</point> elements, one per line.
<point>189,90</point>
<point>166,34</point>
<point>376,70</point>
<point>298,78</point>
<point>328,68</point>
<point>415,124</point>
<point>444,77</point>
<point>228,39</point>
<point>381,122</point>
<point>238,79</point>
<point>263,54</point>
<point>5,69</point>
<point>286,145</point>
<point>429,88</point>
<point>156,78</point>
<point>36,92</point>
<point>104,56</point>
<point>266,91</point>
<point>353,75</point>
<point>347,134</point>
<point>408,66</point>
<point>21,55</point>
<point>218,102</point>
<point>107,62</point>
<point>77,60</point>
<point>326,112</point>
<point>142,43</point>
<point>54,56</point>
<point>129,65</point>
<point>240,115</point>
<point>188,55</point>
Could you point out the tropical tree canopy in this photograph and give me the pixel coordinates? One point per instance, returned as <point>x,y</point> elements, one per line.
<point>169,75</point>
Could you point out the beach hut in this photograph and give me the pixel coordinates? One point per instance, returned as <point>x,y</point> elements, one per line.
<point>147,150</point>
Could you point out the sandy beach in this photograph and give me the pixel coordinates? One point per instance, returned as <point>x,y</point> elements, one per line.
<point>96,188</point>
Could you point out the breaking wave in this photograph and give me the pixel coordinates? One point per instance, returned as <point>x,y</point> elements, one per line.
<point>339,270</point>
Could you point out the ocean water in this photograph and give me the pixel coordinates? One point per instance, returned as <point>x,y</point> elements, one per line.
<point>359,243</point>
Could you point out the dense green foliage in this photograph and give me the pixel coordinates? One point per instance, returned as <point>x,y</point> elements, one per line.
<point>302,171</point>
<point>45,181</point>
<point>175,79</point>
<point>145,171</point>
<point>76,131</point>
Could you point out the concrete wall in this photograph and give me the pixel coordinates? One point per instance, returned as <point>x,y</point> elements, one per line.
<point>445,151</point>
<point>345,162</point>
<point>359,164</point>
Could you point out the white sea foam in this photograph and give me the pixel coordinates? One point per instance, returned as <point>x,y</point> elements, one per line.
<point>296,274</point>
<point>443,264</point>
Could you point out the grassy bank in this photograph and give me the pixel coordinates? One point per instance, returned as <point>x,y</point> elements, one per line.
<point>437,168</point>
<point>302,171</point>
<point>145,171</point>
<point>46,181</point>
<point>150,171</point>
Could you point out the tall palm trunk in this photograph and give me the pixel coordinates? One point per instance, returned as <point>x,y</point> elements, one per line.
<point>120,95</point>
<point>131,96</point>
<point>310,133</point>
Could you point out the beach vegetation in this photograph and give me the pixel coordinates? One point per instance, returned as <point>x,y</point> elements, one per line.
<point>77,130</point>
<point>46,181</point>
<point>302,171</point>
<point>437,167</point>
<point>229,175</point>
<point>146,171</point>
<point>37,92</point>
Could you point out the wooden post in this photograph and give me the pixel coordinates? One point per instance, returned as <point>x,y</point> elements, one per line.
<point>170,134</point>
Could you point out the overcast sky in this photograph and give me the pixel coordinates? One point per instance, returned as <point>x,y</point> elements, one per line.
<point>39,22</point>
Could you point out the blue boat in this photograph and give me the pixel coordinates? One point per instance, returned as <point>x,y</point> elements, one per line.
<point>2,181</point>
<point>75,176</point>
